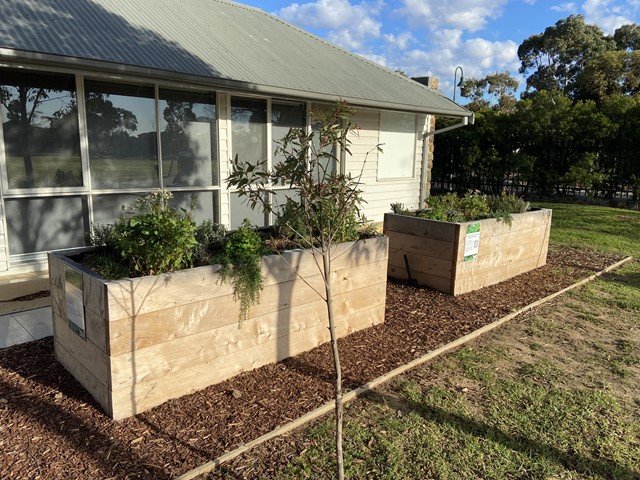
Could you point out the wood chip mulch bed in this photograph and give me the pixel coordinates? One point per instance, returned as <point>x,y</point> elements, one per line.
<point>50,428</point>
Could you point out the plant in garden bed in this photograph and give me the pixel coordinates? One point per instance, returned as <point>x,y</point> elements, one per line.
<point>148,239</point>
<point>241,265</point>
<point>471,206</point>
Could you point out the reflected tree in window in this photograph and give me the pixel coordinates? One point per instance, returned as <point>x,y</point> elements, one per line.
<point>41,134</point>
<point>121,126</point>
<point>188,133</point>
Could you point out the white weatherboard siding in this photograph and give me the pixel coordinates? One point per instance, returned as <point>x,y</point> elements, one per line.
<point>224,153</point>
<point>379,194</point>
<point>4,259</point>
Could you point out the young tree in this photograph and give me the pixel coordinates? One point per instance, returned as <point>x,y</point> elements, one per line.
<point>328,206</point>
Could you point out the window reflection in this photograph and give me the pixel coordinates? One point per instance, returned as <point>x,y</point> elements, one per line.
<point>188,135</point>
<point>249,144</point>
<point>285,116</point>
<point>122,135</point>
<point>41,224</point>
<point>39,116</point>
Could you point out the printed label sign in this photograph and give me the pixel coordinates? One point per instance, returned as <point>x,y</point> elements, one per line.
<point>75,307</point>
<point>472,242</point>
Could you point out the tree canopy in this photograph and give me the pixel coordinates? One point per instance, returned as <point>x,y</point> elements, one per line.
<point>576,125</point>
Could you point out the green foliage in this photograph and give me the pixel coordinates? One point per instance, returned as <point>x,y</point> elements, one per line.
<point>242,266</point>
<point>504,205</point>
<point>154,238</point>
<point>211,240</point>
<point>472,206</point>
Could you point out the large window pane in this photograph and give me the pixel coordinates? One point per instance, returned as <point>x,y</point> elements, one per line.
<point>40,125</point>
<point>122,136</point>
<point>41,224</point>
<point>106,208</point>
<point>188,126</point>
<point>284,117</point>
<point>249,130</point>
<point>398,141</point>
<point>206,205</point>
<point>240,209</point>
<point>249,144</point>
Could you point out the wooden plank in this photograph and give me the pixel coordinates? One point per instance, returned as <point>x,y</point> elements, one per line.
<point>94,292</point>
<point>419,226</point>
<point>499,258</point>
<point>428,247</point>
<point>520,221</point>
<point>167,324</point>
<point>420,263</point>
<point>56,270</point>
<point>176,355</point>
<point>474,281</point>
<point>96,330</point>
<point>142,396</point>
<point>83,351</point>
<point>98,391</point>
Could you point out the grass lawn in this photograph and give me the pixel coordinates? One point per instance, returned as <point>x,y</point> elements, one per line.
<point>552,395</point>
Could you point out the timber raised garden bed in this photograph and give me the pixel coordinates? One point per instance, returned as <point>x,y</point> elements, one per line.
<point>138,342</point>
<point>457,258</point>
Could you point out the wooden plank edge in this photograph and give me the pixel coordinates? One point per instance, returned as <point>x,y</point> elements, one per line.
<point>353,394</point>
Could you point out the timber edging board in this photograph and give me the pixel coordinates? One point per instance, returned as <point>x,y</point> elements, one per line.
<point>151,339</point>
<point>432,253</point>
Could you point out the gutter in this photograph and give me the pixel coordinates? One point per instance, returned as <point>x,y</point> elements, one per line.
<point>464,121</point>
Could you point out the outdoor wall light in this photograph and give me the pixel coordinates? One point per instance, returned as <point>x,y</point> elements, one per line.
<point>460,84</point>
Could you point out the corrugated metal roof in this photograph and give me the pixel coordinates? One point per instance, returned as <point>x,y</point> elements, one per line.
<point>226,42</point>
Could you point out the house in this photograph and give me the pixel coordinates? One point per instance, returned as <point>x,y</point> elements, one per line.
<point>102,100</point>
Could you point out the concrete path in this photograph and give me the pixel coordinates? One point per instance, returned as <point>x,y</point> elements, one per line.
<point>26,326</point>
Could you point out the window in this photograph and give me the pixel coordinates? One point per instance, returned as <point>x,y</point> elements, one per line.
<point>40,224</point>
<point>39,116</point>
<point>122,136</point>
<point>188,138</point>
<point>249,144</point>
<point>398,143</point>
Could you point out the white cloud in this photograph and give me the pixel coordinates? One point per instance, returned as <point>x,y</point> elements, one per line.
<point>608,15</point>
<point>400,41</point>
<point>477,57</point>
<point>349,25</point>
<point>568,7</point>
<point>468,15</point>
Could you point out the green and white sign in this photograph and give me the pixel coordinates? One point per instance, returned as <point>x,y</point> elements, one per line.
<point>472,242</point>
<point>75,305</point>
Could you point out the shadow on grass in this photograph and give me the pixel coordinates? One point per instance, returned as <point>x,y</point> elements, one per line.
<point>570,461</point>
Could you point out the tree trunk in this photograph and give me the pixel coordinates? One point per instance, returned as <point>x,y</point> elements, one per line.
<point>326,261</point>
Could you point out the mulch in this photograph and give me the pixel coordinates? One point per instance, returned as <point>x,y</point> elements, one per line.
<point>50,428</point>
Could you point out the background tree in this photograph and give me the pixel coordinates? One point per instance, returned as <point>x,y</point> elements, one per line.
<point>554,59</point>
<point>496,90</point>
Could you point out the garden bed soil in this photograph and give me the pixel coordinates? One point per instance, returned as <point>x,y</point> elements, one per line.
<point>51,428</point>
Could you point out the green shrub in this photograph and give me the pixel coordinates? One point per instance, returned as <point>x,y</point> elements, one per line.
<point>472,206</point>
<point>153,238</point>
<point>211,240</point>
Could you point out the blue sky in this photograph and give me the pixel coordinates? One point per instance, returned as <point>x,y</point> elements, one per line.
<point>433,37</point>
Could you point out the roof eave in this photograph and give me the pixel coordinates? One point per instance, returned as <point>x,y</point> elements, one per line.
<point>9,56</point>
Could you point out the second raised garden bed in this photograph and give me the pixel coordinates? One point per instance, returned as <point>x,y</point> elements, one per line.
<point>457,258</point>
